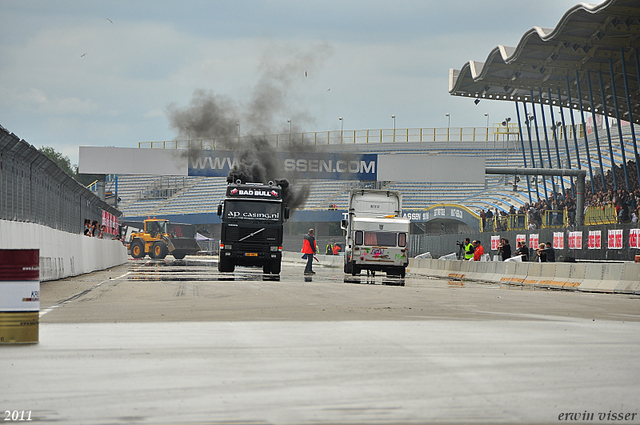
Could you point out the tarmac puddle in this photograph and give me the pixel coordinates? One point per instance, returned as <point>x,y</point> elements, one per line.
<point>371,280</point>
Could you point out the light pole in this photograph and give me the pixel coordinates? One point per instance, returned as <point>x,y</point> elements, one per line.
<point>506,124</point>
<point>289,121</point>
<point>394,127</point>
<point>341,128</point>
<point>448,124</point>
<point>238,125</point>
<point>486,114</point>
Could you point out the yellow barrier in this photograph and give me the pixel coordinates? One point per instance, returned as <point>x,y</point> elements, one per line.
<point>554,218</point>
<point>600,215</point>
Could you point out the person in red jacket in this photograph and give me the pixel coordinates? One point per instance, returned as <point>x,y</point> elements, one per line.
<point>309,248</point>
<point>479,250</point>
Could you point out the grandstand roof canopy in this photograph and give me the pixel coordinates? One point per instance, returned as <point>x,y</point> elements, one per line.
<point>589,39</point>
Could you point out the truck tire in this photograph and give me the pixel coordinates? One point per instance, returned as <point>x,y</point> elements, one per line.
<point>159,250</point>
<point>225,266</point>
<point>266,268</point>
<point>348,267</point>
<point>276,266</point>
<point>137,249</point>
<point>396,271</point>
<point>355,270</point>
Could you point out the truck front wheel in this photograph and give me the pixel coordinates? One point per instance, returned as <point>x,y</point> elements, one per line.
<point>276,266</point>
<point>159,250</point>
<point>225,266</point>
<point>137,249</point>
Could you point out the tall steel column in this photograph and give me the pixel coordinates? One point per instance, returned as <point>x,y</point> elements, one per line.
<point>573,123</point>
<point>546,140</point>
<point>533,110</point>
<point>584,131</point>
<point>554,127</point>
<point>566,139</point>
<point>627,95</point>
<point>605,117</point>
<point>524,153</point>
<point>533,158</point>
<point>615,104</point>
<point>595,130</point>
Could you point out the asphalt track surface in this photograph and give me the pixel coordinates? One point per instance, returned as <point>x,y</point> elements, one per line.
<point>176,342</point>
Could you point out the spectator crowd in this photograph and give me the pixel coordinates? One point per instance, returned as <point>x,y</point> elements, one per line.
<point>552,211</point>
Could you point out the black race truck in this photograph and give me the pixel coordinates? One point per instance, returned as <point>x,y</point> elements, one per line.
<point>252,216</point>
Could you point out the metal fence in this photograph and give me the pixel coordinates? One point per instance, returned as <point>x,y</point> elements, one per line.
<point>34,189</point>
<point>488,135</point>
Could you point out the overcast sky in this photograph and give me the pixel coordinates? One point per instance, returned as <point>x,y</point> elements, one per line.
<point>113,73</point>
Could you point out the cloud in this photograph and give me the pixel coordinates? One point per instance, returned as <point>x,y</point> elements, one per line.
<point>154,113</point>
<point>35,100</point>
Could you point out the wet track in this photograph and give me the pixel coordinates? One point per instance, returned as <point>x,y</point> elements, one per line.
<point>177,342</point>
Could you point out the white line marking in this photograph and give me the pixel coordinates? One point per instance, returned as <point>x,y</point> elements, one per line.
<point>78,295</point>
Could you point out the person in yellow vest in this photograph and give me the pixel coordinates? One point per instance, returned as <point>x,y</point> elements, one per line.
<point>469,249</point>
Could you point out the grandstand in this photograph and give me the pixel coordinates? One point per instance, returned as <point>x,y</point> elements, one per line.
<point>192,195</point>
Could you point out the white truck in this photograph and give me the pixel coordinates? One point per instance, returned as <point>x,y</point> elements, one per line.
<point>377,233</point>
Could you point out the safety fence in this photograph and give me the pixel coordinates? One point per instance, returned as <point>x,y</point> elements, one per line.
<point>601,215</point>
<point>548,220</point>
<point>34,189</point>
<point>489,135</point>
<point>594,215</point>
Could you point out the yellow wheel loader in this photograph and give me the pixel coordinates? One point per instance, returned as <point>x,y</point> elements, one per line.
<point>156,241</point>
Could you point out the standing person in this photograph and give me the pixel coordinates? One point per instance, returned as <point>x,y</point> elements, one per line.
<point>468,249</point>
<point>309,248</point>
<point>94,228</point>
<point>329,250</point>
<point>478,251</point>
<point>551,253</point>
<point>336,249</point>
<point>541,254</point>
<point>504,249</point>
<point>523,251</point>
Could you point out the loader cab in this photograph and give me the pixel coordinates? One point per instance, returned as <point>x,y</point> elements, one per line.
<point>155,227</point>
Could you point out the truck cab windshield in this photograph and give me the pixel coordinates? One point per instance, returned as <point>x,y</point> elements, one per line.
<point>252,210</point>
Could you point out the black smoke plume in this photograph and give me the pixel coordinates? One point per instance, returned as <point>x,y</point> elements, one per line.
<point>275,99</point>
<point>258,163</point>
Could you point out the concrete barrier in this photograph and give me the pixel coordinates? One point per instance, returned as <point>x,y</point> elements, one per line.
<point>611,275</point>
<point>548,276</point>
<point>629,279</point>
<point>589,277</point>
<point>465,266</point>
<point>453,269</point>
<point>511,273</point>
<point>569,275</point>
<point>62,254</point>
<point>500,271</point>
<point>592,277</point>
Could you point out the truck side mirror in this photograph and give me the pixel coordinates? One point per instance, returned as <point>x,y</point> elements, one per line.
<point>286,213</point>
<point>219,209</point>
<point>343,224</point>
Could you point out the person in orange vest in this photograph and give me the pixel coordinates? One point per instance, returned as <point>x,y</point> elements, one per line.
<point>309,248</point>
<point>479,250</point>
<point>336,248</point>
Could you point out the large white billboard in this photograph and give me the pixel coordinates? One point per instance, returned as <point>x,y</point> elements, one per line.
<point>334,166</point>
<point>105,160</point>
<point>431,168</point>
